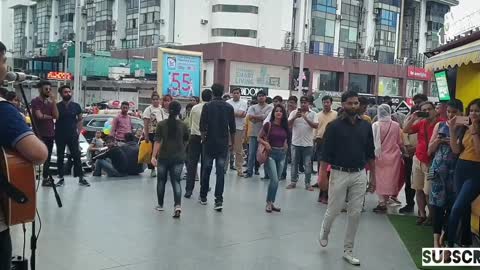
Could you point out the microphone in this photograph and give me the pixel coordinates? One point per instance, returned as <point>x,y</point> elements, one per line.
<point>20,77</point>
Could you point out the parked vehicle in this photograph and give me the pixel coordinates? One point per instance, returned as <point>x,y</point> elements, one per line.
<point>95,122</point>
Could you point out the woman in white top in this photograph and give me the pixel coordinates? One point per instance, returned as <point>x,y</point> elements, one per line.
<point>152,115</point>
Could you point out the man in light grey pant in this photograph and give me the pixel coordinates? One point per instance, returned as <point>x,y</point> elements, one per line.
<point>348,147</point>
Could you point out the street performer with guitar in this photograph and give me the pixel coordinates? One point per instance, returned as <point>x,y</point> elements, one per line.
<point>16,136</point>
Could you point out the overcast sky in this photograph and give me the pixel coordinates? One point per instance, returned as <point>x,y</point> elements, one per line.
<point>465,7</point>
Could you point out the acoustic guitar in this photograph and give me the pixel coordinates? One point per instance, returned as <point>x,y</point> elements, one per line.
<point>20,175</point>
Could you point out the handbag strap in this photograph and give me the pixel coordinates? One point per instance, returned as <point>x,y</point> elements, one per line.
<point>386,134</point>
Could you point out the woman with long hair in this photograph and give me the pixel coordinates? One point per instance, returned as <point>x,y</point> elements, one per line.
<point>274,136</point>
<point>387,137</point>
<point>152,115</point>
<point>169,154</point>
<point>442,172</point>
<point>467,176</point>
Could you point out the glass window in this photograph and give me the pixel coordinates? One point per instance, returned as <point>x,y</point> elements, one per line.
<point>323,27</point>
<point>388,86</point>
<point>388,18</point>
<point>328,6</point>
<point>328,81</point>
<point>348,34</point>
<point>235,8</point>
<point>414,87</point>
<point>225,32</point>
<point>321,48</point>
<point>360,83</point>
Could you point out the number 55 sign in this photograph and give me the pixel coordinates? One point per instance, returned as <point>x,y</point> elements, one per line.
<point>179,73</point>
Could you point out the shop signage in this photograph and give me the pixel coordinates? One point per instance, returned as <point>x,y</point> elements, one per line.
<point>403,108</point>
<point>59,76</point>
<point>179,72</point>
<point>418,73</point>
<point>249,91</point>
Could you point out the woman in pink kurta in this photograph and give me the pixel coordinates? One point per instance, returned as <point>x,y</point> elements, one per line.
<point>388,144</point>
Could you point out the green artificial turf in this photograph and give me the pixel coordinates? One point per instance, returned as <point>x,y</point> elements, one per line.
<point>414,238</point>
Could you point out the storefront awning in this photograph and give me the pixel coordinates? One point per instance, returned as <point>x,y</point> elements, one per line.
<point>463,55</point>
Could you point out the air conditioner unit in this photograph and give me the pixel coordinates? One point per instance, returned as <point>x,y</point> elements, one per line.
<point>203,21</point>
<point>376,11</point>
<point>160,21</point>
<point>339,17</point>
<point>161,38</point>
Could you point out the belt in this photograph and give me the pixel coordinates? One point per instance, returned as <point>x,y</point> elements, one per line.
<point>349,170</point>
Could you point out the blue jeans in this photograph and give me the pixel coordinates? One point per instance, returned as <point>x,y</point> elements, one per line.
<point>467,188</point>
<point>306,153</point>
<point>107,166</point>
<point>274,167</point>
<point>174,169</point>
<point>220,159</point>
<point>252,153</point>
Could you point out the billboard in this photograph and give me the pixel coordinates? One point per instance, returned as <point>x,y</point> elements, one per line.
<point>179,73</point>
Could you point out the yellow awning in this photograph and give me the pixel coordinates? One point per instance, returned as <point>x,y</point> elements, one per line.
<point>463,55</point>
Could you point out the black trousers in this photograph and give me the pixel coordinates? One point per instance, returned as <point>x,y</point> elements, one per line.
<point>409,192</point>
<point>73,146</point>
<point>151,137</point>
<point>194,155</point>
<point>5,250</point>
<point>48,141</point>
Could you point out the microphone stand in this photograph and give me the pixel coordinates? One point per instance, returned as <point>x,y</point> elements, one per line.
<point>33,238</point>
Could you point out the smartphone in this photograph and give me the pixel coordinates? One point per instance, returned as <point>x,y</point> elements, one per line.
<point>443,136</point>
<point>422,114</point>
<point>463,120</point>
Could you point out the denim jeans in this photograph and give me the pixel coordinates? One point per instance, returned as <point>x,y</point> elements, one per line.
<point>252,153</point>
<point>107,166</point>
<point>220,159</point>
<point>194,154</point>
<point>467,188</point>
<point>306,153</point>
<point>174,169</point>
<point>274,167</point>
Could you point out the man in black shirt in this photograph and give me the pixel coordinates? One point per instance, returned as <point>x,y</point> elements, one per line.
<point>217,123</point>
<point>348,147</point>
<point>67,130</point>
<point>114,161</point>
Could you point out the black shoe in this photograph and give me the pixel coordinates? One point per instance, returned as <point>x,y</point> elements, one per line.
<point>202,201</point>
<point>233,168</point>
<point>247,175</point>
<point>257,173</point>
<point>406,209</point>
<point>265,178</point>
<point>314,172</point>
<point>188,194</point>
<point>315,185</point>
<point>83,182</point>
<point>284,177</point>
<point>47,183</point>
<point>60,182</point>
<point>218,206</point>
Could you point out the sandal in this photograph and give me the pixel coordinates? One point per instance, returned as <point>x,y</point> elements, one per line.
<point>276,209</point>
<point>427,222</point>
<point>420,220</point>
<point>380,209</point>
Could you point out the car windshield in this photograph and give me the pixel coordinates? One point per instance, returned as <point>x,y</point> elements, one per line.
<point>98,122</point>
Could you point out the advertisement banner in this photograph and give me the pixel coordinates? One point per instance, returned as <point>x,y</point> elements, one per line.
<point>418,73</point>
<point>179,73</point>
<point>249,91</point>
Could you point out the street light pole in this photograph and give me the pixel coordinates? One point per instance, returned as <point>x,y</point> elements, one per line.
<point>303,11</point>
<point>65,46</point>
<point>77,73</point>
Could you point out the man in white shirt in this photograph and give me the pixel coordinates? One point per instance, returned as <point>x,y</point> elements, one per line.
<point>303,122</point>
<point>194,150</point>
<point>256,114</point>
<point>240,111</point>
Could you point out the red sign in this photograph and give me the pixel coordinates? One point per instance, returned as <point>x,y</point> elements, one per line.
<point>59,76</point>
<point>418,73</point>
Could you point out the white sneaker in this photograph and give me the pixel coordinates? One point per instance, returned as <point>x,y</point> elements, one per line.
<point>159,208</point>
<point>153,173</point>
<point>348,256</point>
<point>323,238</point>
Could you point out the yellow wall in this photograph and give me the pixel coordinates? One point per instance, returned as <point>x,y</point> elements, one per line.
<point>468,83</point>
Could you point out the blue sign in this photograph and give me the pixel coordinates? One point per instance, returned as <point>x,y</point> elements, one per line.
<point>181,75</point>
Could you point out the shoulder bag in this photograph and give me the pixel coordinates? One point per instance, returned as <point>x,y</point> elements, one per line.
<point>262,152</point>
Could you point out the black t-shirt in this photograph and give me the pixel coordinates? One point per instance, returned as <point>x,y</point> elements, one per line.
<point>119,159</point>
<point>131,152</point>
<point>66,124</point>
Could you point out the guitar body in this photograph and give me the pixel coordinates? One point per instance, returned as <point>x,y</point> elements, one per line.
<point>21,174</point>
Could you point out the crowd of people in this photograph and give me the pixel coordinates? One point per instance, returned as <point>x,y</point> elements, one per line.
<point>433,153</point>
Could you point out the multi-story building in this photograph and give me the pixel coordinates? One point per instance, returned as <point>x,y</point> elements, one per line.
<point>383,30</point>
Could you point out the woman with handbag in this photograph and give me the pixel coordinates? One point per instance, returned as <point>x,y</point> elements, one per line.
<point>273,146</point>
<point>388,142</point>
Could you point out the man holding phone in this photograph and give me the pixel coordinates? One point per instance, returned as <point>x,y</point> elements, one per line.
<point>421,160</point>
